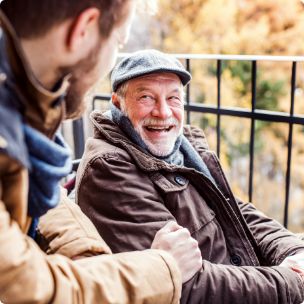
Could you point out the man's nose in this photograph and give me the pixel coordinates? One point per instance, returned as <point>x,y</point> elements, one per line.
<point>162,109</point>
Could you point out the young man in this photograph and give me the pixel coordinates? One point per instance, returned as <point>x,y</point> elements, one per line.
<point>144,168</point>
<point>52,51</point>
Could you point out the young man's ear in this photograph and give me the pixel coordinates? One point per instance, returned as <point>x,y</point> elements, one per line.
<point>115,100</point>
<point>84,32</point>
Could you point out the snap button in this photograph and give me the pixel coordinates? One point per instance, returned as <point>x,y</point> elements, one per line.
<point>236,260</point>
<point>3,143</point>
<point>180,180</point>
<point>2,77</point>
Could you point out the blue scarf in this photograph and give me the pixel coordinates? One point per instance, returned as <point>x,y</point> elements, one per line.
<point>50,161</point>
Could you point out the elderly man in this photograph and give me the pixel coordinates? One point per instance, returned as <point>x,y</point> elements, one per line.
<point>144,168</point>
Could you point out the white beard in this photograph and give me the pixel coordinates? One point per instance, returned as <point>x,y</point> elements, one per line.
<point>163,146</point>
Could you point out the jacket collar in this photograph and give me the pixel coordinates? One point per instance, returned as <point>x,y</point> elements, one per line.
<point>42,109</point>
<point>105,127</point>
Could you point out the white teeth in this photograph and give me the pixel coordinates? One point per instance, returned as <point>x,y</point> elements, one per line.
<point>158,128</point>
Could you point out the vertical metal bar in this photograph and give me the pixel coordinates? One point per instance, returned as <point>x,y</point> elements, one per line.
<point>218,122</point>
<point>252,129</point>
<point>289,154</point>
<point>94,103</point>
<point>188,67</point>
<point>78,135</point>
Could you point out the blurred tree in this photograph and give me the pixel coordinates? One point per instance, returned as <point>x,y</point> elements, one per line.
<point>230,26</point>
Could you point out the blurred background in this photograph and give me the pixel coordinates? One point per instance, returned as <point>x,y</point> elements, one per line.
<point>238,27</point>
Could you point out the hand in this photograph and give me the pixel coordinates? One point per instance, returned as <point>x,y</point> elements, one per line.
<point>177,241</point>
<point>296,263</point>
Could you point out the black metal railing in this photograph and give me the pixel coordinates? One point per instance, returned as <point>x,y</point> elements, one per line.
<point>253,114</point>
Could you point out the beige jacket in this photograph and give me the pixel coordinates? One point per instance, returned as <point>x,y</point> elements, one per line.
<point>30,274</point>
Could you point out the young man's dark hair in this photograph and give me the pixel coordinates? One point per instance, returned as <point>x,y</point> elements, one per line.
<point>32,18</point>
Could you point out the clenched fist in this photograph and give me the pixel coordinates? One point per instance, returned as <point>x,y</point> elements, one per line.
<point>177,241</point>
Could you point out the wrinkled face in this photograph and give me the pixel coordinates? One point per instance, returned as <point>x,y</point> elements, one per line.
<point>154,105</point>
<point>97,65</point>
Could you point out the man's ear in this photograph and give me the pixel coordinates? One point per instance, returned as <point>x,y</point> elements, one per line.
<point>115,100</point>
<point>84,32</point>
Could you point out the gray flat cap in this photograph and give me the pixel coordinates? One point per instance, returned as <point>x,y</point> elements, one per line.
<point>147,62</point>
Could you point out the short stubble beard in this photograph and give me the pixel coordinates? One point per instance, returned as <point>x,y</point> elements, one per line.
<point>74,99</point>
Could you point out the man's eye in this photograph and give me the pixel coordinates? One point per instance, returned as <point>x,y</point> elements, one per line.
<point>174,97</point>
<point>147,97</point>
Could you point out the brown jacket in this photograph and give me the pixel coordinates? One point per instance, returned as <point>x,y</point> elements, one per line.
<point>29,275</point>
<point>129,195</point>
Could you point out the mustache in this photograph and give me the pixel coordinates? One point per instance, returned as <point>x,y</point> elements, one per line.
<point>172,121</point>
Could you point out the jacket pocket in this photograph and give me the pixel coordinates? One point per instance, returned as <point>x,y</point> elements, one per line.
<point>183,201</point>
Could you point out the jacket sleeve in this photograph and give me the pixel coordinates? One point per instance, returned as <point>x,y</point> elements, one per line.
<point>246,284</point>
<point>66,230</point>
<point>28,275</point>
<point>274,241</point>
<point>131,226</point>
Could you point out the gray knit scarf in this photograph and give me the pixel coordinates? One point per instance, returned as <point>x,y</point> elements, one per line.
<point>183,153</point>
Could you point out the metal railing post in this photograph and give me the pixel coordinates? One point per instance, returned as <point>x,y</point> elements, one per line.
<point>290,133</point>
<point>252,128</point>
<point>78,136</point>
<point>218,121</point>
<point>188,67</point>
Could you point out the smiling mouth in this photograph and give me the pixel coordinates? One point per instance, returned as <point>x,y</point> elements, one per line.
<point>158,128</point>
